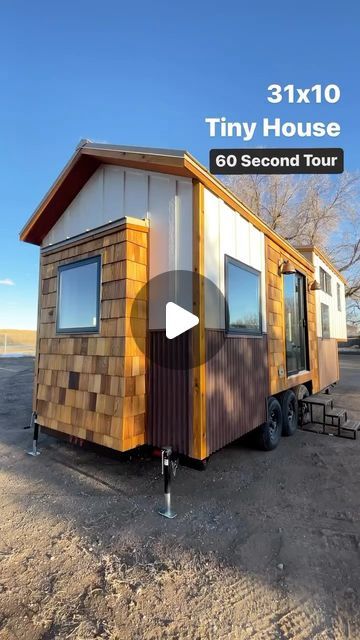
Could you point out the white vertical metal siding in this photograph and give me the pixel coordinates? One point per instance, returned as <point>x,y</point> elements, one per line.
<point>135,194</point>
<point>337,318</point>
<point>227,233</point>
<point>170,213</point>
<point>115,192</point>
<point>100,201</point>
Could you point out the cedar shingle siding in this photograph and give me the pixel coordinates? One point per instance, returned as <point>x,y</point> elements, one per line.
<point>93,386</point>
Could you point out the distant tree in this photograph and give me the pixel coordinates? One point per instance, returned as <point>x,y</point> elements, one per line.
<point>317,209</point>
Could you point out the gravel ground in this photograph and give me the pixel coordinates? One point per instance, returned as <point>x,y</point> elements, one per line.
<point>265,545</point>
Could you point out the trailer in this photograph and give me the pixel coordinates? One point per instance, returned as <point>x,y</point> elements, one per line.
<point>116,219</point>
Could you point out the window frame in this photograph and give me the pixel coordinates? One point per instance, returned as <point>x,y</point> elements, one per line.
<point>245,267</point>
<point>67,267</point>
<point>327,281</point>
<point>322,306</point>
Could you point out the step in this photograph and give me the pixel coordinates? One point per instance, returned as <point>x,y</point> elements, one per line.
<point>320,400</point>
<point>336,413</point>
<point>350,425</point>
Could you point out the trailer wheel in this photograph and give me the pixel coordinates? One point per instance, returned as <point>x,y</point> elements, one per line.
<point>301,393</point>
<point>269,434</point>
<point>290,410</point>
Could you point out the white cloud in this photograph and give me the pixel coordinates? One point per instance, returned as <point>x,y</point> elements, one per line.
<point>8,282</point>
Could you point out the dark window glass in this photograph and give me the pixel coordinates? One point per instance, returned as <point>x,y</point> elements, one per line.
<point>79,296</point>
<point>338,293</point>
<point>295,323</point>
<point>325,281</point>
<point>242,297</point>
<point>325,321</point>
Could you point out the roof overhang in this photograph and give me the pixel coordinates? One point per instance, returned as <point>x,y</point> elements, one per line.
<point>89,156</point>
<point>81,166</point>
<point>326,260</point>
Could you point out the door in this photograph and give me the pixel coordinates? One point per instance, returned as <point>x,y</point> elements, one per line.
<point>295,323</point>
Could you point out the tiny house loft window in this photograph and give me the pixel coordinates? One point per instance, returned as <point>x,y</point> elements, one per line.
<point>243,312</point>
<point>325,321</point>
<point>338,295</point>
<point>78,300</point>
<point>325,281</point>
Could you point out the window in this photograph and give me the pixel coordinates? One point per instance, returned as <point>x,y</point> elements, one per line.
<point>325,321</point>
<point>296,335</point>
<point>243,298</point>
<point>78,296</point>
<point>325,281</point>
<point>338,295</point>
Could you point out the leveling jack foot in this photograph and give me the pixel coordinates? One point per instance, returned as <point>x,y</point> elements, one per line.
<point>34,451</point>
<point>167,466</point>
<point>167,511</point>
<point>167,514</point>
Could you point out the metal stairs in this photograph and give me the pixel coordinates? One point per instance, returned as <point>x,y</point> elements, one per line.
<point>319,410</point>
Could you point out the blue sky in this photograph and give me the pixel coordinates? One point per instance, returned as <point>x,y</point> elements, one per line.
<point>148,73</point>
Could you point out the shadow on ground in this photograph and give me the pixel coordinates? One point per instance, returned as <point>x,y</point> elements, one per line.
<point>265,546</point>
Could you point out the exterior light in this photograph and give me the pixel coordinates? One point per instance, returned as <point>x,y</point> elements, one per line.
<point>314,286</point>
<point>286,267</point>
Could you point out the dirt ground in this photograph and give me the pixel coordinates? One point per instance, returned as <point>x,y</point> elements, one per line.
<point>266,546</point>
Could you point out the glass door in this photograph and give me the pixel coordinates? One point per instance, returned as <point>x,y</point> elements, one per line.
<point>295,323</point>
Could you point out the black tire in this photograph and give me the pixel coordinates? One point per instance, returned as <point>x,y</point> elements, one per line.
<point>290,412</point>
<point>269,434</point>
<point>301,393</point>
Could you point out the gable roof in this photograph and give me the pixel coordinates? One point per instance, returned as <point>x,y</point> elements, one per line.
<point>326,260</point>
<point>89,156</point>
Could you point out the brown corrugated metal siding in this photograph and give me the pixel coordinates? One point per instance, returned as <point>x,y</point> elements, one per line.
<point>170,407</point>
<point>236,387</point>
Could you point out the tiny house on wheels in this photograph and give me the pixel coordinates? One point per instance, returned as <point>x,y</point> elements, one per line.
<point>113,221</point>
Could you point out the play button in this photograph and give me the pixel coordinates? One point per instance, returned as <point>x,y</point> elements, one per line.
<point>178,320</point>
<point>163,326</point>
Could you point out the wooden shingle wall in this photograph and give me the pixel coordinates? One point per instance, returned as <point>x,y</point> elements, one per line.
<point>278,380</point>
<point>92,386</point>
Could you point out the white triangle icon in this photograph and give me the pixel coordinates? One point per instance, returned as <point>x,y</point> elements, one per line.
<point>178,320</point>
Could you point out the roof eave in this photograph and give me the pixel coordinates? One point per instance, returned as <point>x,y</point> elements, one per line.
<point>48,196</point>
<point>92,155</point>
<point>203,175</point>
<point>89,155</point>
<point>320,253</point>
